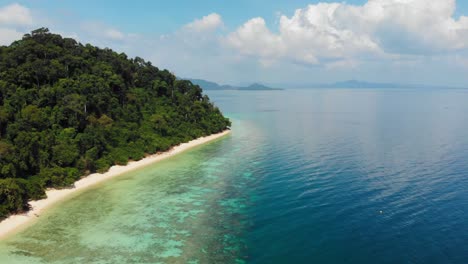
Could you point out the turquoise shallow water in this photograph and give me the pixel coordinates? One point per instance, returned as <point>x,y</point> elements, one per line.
<point>186,209</point>
<point>307,176</point>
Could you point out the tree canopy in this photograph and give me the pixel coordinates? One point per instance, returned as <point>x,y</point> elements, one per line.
<point>68,109</point>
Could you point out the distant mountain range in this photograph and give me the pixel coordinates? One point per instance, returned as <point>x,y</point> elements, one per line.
<point>207,85</point>
<point>350,84</point>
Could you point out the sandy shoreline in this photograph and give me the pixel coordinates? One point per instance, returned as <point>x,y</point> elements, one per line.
<point>15,222</point>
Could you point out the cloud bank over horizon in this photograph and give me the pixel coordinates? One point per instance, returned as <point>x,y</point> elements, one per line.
<point>381,40</point>
<point>380,29</point>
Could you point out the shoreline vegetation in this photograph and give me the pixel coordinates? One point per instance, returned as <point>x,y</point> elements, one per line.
<point>17,222</point>
<point>69,109</point>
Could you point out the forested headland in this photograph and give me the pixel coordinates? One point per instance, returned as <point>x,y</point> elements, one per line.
<point>68,109</point>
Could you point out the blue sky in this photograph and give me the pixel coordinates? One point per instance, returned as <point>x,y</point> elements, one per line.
<point>413,41</point>
<point>165,16</point>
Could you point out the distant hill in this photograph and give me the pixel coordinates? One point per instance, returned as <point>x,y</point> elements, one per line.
<point>256,87</point>
<point>349,84</point>
<point>207,85</point>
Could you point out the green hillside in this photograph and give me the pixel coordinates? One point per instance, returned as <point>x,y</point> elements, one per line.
<point>68,109</point>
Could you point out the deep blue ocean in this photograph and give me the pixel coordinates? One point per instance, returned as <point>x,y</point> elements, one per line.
<point>356,175</point>
<point>306,176</point>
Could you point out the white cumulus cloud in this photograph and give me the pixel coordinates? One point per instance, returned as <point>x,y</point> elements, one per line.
<point>207,23</point>
<point>114,34</point>
<point>15,14</point>
<point>13,19</point>
<point>333,32</point>
<point>254,38</point>
<point>7,36</point>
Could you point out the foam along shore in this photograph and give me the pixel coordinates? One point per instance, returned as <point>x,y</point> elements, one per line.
<point>15,222</point>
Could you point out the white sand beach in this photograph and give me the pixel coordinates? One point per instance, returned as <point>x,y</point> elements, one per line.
<point>16,222</point>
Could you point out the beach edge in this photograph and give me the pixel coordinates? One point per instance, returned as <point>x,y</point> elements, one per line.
<point>15,223</point>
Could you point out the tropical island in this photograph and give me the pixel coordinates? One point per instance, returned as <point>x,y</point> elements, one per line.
<point>68,110</point>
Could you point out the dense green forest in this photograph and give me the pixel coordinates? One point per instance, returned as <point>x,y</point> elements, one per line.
<point>68,109</point>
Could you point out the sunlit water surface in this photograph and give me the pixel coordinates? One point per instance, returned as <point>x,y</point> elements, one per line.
<point>307,176</point>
